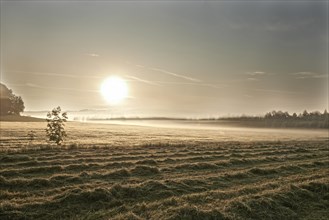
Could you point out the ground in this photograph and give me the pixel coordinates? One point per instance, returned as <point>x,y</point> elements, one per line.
<point>142,172</point>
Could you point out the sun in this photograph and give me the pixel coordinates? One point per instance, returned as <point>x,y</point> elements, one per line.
<point>114,90</point>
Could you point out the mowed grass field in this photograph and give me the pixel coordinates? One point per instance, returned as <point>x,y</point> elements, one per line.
<point>142,172</point>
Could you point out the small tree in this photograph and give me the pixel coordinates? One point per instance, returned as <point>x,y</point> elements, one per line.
<point>55,125</point>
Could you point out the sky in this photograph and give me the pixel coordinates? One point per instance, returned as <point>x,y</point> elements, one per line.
<point>178,58</point>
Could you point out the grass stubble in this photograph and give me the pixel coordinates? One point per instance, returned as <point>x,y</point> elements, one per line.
<point>160,180</point>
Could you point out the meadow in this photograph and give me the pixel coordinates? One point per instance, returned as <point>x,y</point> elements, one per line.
<point>169,171</point>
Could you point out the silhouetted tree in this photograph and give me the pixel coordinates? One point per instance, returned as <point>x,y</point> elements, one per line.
<point>314,115</point>
<point>268,115</point>
<point>9,102</point>
<point>305,114</point>
<point>17,104</point>
<point>286,115</point>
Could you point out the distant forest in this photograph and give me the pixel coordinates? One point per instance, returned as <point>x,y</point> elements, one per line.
<point>275,119</point>
<point>305,119</point>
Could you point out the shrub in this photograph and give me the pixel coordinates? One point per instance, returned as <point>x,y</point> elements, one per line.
<point>55,125</point>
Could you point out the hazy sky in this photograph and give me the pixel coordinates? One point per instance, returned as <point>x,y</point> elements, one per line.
<point>179,58</point>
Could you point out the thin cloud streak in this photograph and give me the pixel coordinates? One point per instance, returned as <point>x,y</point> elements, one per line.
<point>195,81</point>
<point>169,73</point>
<point>256,73</point>
<point>191,83</point>
<point>248,96</point>
<point>253,79</point>
<point>58,74</point>
<point>308,75</point>
<point>142,80</point>
<point>176,75</point>
<point>276,91</point>
<point>161,83</point>
<point>57,88</point>
<point>92,54</point>
<point>274,26</point>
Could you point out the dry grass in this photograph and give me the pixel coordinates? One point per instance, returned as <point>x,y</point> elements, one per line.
<point>193,175</point>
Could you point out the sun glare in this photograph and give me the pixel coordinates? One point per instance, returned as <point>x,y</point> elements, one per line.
<point>114,90</point>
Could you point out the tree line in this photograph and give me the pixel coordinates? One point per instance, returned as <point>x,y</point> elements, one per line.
<point>305,119</point>
<point>284,119</point>
<point>305,115</point>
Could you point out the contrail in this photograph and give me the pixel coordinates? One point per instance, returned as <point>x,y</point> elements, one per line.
<point>169,73</point>
<point>141,80</point>
<point>176,75</point>
<point>195,81</point>
<point>191,83</point>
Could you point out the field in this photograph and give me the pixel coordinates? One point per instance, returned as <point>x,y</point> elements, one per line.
<point>106,171</point>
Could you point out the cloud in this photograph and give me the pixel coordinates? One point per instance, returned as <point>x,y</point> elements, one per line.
<point>276,91</point>
<point>160,83</point>
<point>256,73</point>
<point>247,96</point>
<point>193,81</point>
<point>308,75</point>
<point>58,88</point>
<point>59,74</point>
<point>273,25</point>
<point>255,76</point>
<point>92,54</point>
<point>169,73</point>
<point>284,26</point>
<point>252,79</point>
<point>176,75</point>
<point>141,80</point>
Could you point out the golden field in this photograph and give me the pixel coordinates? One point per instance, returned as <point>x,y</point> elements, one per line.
<point>167,171</point>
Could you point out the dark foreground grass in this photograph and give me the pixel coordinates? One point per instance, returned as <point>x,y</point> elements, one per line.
<point>223,180</point>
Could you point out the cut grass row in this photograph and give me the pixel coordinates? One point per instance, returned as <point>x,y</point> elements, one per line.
<point>214,181</point>
<point>66,166</point>
<point>165,195</point>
